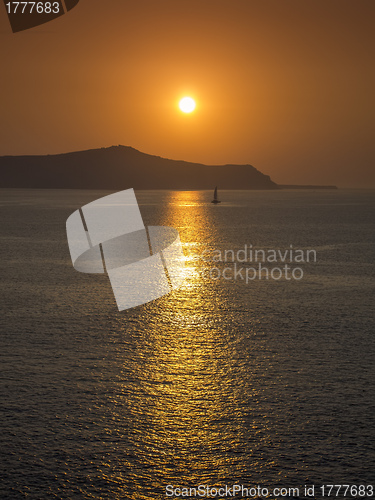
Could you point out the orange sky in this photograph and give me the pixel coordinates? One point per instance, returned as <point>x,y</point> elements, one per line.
<point>285,85</point>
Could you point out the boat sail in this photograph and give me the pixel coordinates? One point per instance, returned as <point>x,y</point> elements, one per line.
<point>215,200</point>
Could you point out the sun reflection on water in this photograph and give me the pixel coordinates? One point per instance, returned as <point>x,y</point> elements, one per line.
<point>186,393</point>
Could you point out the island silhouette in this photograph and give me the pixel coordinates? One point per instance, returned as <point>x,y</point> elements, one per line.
<point>121,167</point>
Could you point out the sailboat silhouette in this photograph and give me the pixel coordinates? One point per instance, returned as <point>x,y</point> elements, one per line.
<point>215,200</point>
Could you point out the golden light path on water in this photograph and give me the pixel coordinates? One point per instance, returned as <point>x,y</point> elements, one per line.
<point>189,372</point>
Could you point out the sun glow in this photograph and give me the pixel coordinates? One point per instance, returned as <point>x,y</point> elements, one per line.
<point>187,104</point>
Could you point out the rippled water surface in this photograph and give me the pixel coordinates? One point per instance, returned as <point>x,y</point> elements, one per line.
<point>269,382</point>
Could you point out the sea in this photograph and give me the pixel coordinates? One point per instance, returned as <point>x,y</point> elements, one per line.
<point>244,377</point>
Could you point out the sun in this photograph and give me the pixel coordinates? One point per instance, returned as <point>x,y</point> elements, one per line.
<point>187,104</point>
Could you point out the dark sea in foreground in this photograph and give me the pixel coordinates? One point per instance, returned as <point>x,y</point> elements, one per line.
<point>223,382</point>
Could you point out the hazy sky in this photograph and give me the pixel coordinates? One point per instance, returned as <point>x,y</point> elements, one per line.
<point>285,85</point>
